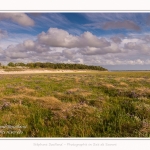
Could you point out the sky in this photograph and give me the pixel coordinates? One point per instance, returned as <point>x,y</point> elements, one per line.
<point>116,41</point>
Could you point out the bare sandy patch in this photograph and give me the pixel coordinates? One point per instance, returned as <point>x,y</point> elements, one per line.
<point>40,71</point>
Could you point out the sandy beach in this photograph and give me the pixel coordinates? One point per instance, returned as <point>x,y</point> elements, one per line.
<point>38,71</point>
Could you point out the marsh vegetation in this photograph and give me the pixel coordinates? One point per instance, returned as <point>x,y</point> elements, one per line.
<point>92,104</point>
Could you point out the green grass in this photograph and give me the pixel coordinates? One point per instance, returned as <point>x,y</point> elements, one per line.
<point>93,104</point>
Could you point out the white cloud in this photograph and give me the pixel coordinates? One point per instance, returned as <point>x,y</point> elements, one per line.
<point>60,38</point>
<point>88,39</point>
<point>130,39</point>
<point>16,38</point>
<point>146,38</point>
<point>20,18</point>
<point>58,45</point>
<point>116,39</point>
<point>14,55</point>
<point>113,48</point>
<point>1,50</point>
<point>68,53</point>
<point>24,50</point>
<point>57,38</point>
<point>29,44</point>
<point>140,48</point>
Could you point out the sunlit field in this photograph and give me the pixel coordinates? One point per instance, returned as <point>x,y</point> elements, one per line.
<point>92,104</point>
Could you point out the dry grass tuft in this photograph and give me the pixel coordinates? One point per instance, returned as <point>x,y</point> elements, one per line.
<point>108,85</point>
<point>123,84</point>
<point>139,79</point>
<point>23,90</point>
<point>47,102</point>
<point>77,79</point>
<point>143,91</point>
<point>118,79</point>
<point>73,90</point>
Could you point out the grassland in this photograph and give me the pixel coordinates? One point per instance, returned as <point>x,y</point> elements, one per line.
<point>91,104</point>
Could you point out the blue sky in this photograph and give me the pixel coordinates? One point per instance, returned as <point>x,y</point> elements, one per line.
<point>112,40</point>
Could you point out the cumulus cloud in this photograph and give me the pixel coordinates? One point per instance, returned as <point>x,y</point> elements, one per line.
<point>141,48</point>
<point>116,61</point>
<point>25,49</point>
<point>69,54</point>
<point>20,18</point>
<point>116,40</point>
<point>146,38</point>
<point>100,51</point>
<point>60,38</point>
<point>130,62</point>
<point>57,45</point>
<point>29,44</point>
<point>14,55</point>
<point>57,38</point>
<point>121,25</point>
<point>88,39</point>
<point>131,45</point>
<point>1,51</point>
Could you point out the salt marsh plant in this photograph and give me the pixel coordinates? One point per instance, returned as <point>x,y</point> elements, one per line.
<point>92,104</point>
